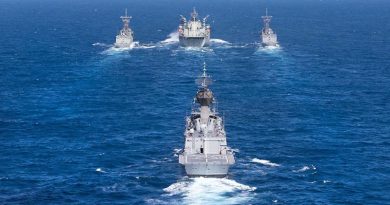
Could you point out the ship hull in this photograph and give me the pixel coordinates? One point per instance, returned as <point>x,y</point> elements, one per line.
<point>206,170</point>
<point>269,40</point>
<point>194,41</point>
<point>269,44</point>
<point>212,165</point>
<point>123,42</point>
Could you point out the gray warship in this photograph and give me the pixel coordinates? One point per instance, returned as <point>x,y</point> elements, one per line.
<point>268,36</point>
<point>194,33</point>
<point>125,37</point>
<point>206,152</point>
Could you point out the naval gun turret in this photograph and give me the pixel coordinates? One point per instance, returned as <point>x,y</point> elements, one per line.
<point>206,152</point>
<point>194,32</point>
<point>125,37</point>
<point>268,36</point>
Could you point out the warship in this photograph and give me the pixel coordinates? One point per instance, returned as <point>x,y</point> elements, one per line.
<point>268,36</point>
<point>206,152</point>
<point>125,37</point>
<point>194,33</point>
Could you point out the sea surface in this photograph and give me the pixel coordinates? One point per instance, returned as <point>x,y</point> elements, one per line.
<point>84,123</point>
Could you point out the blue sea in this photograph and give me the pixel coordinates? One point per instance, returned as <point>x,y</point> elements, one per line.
<point>84,123</point>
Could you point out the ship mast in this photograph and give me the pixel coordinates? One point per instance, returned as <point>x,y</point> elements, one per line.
<point>266,19</point>
<point>205,79</point>
<point>204,20</point>
<point>204,97</point>
<point>194,15</point>
<point>126,20</point>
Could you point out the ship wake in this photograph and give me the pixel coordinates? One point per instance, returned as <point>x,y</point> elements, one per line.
<point>265,162</point>
<point>173,38</point>
<point>210,191</point>
<point>101,44</point>
<point>270,49</point>
<point>194,50</point>
<point>112,50</point>
<point>216,41</point>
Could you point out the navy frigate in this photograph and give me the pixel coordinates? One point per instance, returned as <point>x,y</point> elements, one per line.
<point>205,152</point>
<point>194,33</point>
<point>268,36</point>
<point>125,37</point>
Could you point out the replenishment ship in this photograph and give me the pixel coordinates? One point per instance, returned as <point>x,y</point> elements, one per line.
<point>194,33</point>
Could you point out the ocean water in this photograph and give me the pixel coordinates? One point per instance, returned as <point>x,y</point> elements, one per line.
<point>83,123</point>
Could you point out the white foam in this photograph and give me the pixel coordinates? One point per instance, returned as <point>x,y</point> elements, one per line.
<point>236,150</point>
<point>114,50</point>
<point>193,50</point>
<point>277,46</point>
<point>269,49</point>
<point>326,181</point>
<point>211,191</point>
<point>135,45</point>
<point>156,201</point>
<point>218,41</point>
<point>100,170</point>
<point>172,38</point>
<point>198,49</point>
<point>305,168</point>
<point>265,162</point>
<point>146,46</point>
<point>177,150</point>
<point>101,44</point>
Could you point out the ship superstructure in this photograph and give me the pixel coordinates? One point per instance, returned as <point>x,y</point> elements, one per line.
<point>125,37</point>
<point>268,36</point>
<point>194,32</point>
<point>206,152</point>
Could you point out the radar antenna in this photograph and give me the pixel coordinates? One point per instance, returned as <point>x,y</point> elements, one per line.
<point>204,80</point>
<point>183,19</point>
<point>266,19</point>
<point>126,20</point>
